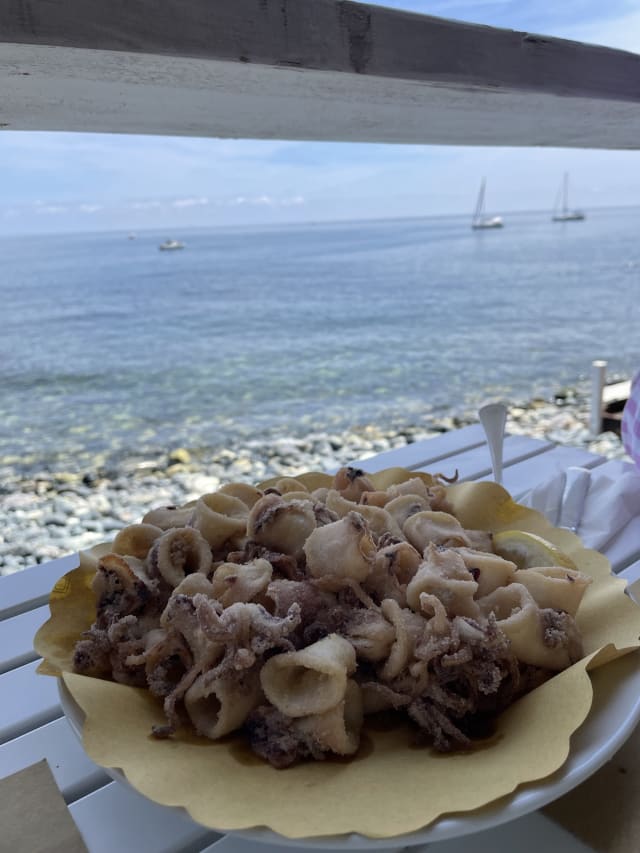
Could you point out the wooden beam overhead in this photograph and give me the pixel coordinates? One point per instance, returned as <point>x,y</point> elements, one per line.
<point>306,69</point>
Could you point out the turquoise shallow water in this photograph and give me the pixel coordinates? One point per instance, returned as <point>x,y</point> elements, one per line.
<point>109,345</point>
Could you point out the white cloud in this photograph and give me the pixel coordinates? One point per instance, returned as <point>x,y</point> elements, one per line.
<point>90,208</point>
<point>51,208</point>
<point>256,200</point>
<point>444,7</point>
<point>190,202</point>
<point>265,200</point>
<point>145,205</point>
<point>622,32</point>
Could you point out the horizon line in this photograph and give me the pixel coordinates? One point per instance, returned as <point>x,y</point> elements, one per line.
<point>299,223</point>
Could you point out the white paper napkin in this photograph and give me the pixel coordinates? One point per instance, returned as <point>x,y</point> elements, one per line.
<point>595,506</point>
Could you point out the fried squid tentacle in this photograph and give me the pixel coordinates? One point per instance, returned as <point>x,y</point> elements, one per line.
<point>244,582</point>
<point>122,588</point>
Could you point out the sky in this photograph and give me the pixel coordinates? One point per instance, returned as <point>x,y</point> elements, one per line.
<point>56,182</point>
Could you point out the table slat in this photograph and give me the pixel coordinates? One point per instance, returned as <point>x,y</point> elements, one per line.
<point>75,774</point>
<point>28,701</point>
<point>631,573</point>
<point>476,462</point>
<point>26,590</point>
<point>529,834</point>
<point>137,824</point>
<point>423,453</point>
<point>16,638</point>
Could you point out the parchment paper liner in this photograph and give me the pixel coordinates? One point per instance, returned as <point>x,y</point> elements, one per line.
<point>389,788</point>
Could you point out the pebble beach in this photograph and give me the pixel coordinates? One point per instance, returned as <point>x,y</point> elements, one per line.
<point>48,514</point>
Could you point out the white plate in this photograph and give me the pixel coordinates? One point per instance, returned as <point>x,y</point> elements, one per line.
<point>613,717</point>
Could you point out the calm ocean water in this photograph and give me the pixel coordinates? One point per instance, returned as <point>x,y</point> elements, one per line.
<point>110,346</point>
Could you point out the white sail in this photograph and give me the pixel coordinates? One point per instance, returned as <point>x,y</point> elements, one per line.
<point>480,220</point>
<point>564,213</point>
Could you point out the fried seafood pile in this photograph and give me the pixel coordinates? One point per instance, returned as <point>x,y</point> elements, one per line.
<point>291,614</point>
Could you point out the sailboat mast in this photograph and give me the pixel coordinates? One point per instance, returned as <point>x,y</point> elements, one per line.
<point>480,203</point>
<point>565,214</point>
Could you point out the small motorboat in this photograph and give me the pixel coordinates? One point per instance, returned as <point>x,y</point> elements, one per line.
<point>170,245</point>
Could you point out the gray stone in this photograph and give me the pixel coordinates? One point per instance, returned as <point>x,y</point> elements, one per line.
<point>99,503</point>
<point>55,520</point>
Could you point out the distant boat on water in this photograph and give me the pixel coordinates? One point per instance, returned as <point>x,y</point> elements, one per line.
<point>170,245</point>
<point>132,236</point>
<point>561,210</point>
<point>480,219</point>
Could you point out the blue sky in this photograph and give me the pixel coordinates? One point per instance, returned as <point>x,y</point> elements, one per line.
<point>57,182</point>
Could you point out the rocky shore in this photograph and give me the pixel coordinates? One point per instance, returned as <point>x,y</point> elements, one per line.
<point>49,514</point>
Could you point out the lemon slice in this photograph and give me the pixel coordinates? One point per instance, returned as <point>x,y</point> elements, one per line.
<point>527,550</point>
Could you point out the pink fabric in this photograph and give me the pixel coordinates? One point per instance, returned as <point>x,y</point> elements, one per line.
<point>631,422</point>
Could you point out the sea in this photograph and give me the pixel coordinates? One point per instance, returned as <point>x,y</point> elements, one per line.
<point>111,348</point>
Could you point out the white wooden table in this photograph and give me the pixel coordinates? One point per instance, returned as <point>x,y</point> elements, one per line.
<point>32,726</point>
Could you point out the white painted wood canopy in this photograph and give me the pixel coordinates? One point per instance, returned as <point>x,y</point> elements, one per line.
<point>306,69</point>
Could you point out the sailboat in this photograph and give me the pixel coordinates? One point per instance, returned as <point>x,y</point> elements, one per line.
<point>480,220</point>
<point>564,214</point>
